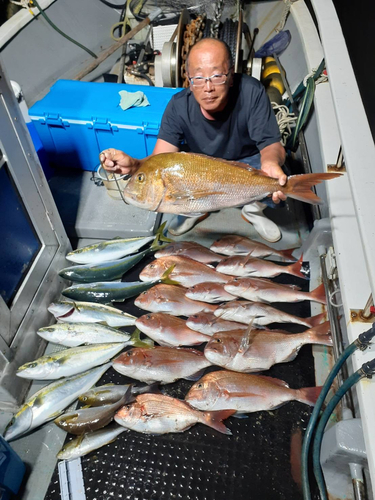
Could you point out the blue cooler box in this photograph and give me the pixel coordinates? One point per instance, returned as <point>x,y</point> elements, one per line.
<point>77,120</point>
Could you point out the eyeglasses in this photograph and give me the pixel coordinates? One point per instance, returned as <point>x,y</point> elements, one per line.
<point>200,81</point>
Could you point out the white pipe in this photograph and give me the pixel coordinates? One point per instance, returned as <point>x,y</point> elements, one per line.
<point>11,27</point>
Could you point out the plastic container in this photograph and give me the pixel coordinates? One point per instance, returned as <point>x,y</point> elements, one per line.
<point>12,470</point>
<point>77,120</point>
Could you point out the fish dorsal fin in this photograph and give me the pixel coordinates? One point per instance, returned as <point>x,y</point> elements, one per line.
<point>239,164</point>
<point>246,338</point>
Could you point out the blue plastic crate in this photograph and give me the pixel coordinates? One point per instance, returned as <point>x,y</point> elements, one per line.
<point>77,120</point>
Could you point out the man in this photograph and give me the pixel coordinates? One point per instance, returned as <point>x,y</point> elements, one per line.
<point>222,115</point>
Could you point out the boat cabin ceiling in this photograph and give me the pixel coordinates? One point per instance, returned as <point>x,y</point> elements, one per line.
<point>59,107</point>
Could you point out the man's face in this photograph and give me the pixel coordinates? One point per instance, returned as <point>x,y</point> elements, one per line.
<point>211,59</point>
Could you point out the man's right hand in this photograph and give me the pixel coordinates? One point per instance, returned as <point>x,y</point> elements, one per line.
<point>118,162</point>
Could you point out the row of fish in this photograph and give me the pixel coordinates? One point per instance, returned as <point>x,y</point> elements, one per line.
<point>98,325</point>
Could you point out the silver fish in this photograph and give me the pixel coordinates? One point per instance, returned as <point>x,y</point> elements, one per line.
<point>69,361</point>
<point>245,265</point>
<point>187,272</point>
<point>245,393</point>
<point>171,299</point>
<point>233,244</point>
<point>88,312</point>
<point>75,334</point>
<point>160,414</point>
<point>161,364</point>
<point>213,293</point>
<point>189,249</point>
<point>208,324</point>
<point>256,350</point>
<point>79,447</point>
<point>169,330</point>
<point>244,311</point>
<point>263,290</point>
<point>50,401</point>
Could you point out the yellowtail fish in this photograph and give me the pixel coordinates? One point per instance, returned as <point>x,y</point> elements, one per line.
<point>172,183</point>
<point>161,364</point>
<point>256,350</point>
<point>214,293</point>
<point>189,249</point>
<point>114,249</point>
<point>109,269</point>
<point>104,292</point>
<point>160,414</point>
<point>75,334</point>
<point>88,312</point>
<point>263,290</point>
<point>208,324</point>
<point>245,393</point>
<point>111,393</point>
<point>171,299</point>
<point>91,441</point>
<point>245,311</point>
<point>50,401</point>
<point>69,361</point>
<point>245,265</point>
<point>169,330</point>
<point>84,420</point>
<point>232,244</point>
<point>187,272</point>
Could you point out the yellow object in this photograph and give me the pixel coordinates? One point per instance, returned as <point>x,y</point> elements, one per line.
<point>271,76</point>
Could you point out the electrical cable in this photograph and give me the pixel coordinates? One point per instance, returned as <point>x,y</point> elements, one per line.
<point>366,370</point>
<point>42,13</point>
<point>361,343</point>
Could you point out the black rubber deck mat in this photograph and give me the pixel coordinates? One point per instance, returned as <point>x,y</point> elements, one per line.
<point>260,461</point>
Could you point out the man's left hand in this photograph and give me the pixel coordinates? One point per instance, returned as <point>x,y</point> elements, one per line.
<point>275,171</point>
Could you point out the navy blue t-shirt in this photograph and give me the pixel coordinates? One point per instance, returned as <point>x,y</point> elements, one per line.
<point>242,129</point>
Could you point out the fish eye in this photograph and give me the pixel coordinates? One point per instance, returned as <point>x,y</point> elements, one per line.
<point>32,365</point>
<point>128,353</point>
<point>151,266</point>
<point>140,177</point>
<point>199,386</point>
<point>127,407</point>
<point>218,341</point>
<point>148,316</point>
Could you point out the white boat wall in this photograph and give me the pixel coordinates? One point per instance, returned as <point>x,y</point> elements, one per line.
<point>342,241</point>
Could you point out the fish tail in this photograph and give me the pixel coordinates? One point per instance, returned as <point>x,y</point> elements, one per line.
<point>295,269</point>
<point>322,329</point>
<point>159,237</point>
<point>165,277</point>
<point>320,338</point>
<point>316,320</point>
<point>287,254</point>
<point>136,341</point>
<point>299,186</point>
<point>308,395</point>
<point>215,419</point>
<point>319,294</point>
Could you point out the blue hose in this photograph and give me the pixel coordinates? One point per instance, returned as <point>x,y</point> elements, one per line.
<point>353,379</point>
<point>315,415</point>
<point>362,343</point>
<point>366,370</point>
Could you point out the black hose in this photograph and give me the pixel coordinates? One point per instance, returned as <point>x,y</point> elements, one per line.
<point>142,75</point>
<point>42,13</point>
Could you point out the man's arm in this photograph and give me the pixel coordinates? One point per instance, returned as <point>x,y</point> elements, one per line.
<point>272,157</point>
<point>118,162</point>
